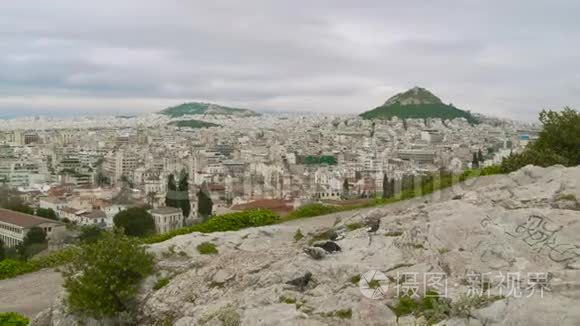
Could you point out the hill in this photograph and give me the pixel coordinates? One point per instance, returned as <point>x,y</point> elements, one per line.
<point>460,241</point>
<point>193,124</point>
<point>417,103</point>
<point>195,108</point>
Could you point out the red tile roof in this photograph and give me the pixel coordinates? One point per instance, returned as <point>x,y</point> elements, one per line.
<point>21,219</point>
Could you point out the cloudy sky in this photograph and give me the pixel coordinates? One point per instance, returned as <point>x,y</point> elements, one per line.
<point>504,58</point>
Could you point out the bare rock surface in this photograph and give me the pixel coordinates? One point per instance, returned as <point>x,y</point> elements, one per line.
<point>489,227</point>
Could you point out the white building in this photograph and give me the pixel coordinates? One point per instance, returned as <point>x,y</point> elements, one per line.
<point>15,225</point>
<point>167,219</point>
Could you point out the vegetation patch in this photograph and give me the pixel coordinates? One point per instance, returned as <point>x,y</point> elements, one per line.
<point>354,226</point>
<point>355,279</point>
<point>394,234</point>
<point>564,197</point>
<point>325,235</point>
<point>161,283</point>
<point>434,308</point>
<point>222,223</point>
<point>298,235</point>
<point>310,210</point>
<point>207,248</point>
<point>288,300</point>
<point>193,124</point>
<point>13,319</point>
<point>103,278</point>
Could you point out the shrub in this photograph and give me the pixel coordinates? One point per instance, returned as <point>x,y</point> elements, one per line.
<point>222,223</point>
<point>10,268</point>
<point>298,235</point>
<point>103,278</point>
<point>90,233</point>
<point>558,142</point>
<point>161,283</point>
<point>135,222</point>
<point>13,319</point>
<point>354,226</point>
<point>207,248</point>
<point>310,210</point>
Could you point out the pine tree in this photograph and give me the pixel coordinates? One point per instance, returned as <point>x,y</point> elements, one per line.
<point>475,161</point>
<point>480,156</point>
<point>204,203</point>
<point>171,188</point>
<point>345,188</point>
<point>184,202</point>
<point>386,186</point>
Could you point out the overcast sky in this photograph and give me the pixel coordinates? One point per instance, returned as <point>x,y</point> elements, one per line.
<point>503,58</point>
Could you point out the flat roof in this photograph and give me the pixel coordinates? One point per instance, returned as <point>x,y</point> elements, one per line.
<point>23,220</point>
<point>166,210</point>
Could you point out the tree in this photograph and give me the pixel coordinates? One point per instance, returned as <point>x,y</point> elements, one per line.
<point>475,161</point>
<point>184,202</point>
<point>345,188</point>
<point>386,187</point>
<point>558,142</point>
<point>90,234</point>
<point>103,277</point>
<point>151,198</point>
<point>480,156</point>
<point>135,222</point>
<point>33,243</point>
<point>204,203</point>
<point>171,188</point>
<point>47,213</point>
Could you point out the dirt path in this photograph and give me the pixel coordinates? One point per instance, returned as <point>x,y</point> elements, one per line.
<point>31,293</point>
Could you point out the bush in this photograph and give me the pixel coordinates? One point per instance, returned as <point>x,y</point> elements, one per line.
<point>161,283</point>
<point>10,268</point>
<point>207,248</point>
<point>310,210</point>
<point>90,233</point>
<point>135,222</point>
<point>558,142</point>
<point>222,223</point>
<point>103,278</point>
<point>13,319</point>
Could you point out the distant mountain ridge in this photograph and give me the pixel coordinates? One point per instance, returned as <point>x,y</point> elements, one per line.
<point>417,103</point>
<point>194,108</point>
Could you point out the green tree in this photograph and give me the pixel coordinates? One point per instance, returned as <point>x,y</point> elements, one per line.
<point>475,161</point>
<point>90,233</point>
<point>171,188</point>
<point>386,187</point>
<point>204,203</point>
<point>184,202</point>
<point>135,222</point>
<point>558,142</point>
<point>345,188</point>
<point>104,277</point>
<point>47,213</point>
<point>480,156</point>
<point>33,243</point>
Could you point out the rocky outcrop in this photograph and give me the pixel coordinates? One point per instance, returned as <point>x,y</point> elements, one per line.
<point>508,238</point>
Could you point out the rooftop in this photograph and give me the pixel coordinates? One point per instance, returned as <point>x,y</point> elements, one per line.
<point>165,210</point>
<point>21,219</point>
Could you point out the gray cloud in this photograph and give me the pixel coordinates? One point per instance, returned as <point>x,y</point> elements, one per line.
<point>502,58</point>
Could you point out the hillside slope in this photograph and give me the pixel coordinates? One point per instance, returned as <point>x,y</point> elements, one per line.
<point>417,103</point>
<point>524,223</point>
<point>195,108</point>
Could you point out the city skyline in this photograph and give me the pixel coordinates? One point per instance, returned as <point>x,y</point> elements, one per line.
<point>75,59</point>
